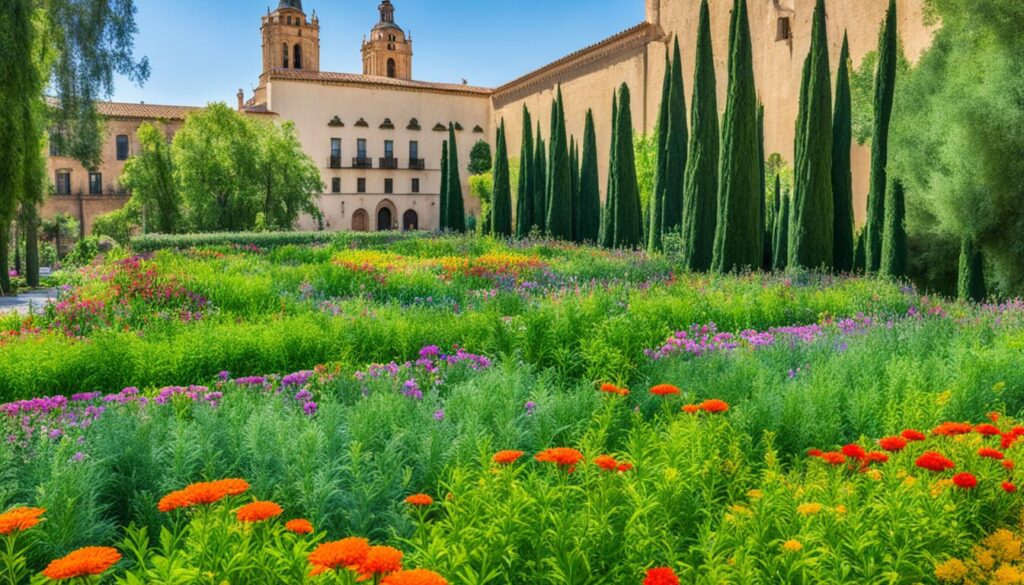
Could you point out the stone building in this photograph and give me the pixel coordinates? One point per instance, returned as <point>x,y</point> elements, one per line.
<point>377,135</point>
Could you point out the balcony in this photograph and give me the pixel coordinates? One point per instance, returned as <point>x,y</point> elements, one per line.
<point>388,162</point>
<point>334,162</point>
<point>417,164</point>
<point>362,162</point>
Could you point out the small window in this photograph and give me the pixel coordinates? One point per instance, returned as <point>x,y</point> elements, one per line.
<point>54,150</point>
<point>298,56</point>
<point>389,186</point>
<point>361,185</point>
<point>415,185</point>
<point>361,148</point>
<point>285,54</point>
<point>63,183</point>
<point>95,183</point>
<point>122,147</point>
<point>289,20</point>
<point>389,149</point>
<point>784,31</point>
<point>392,72</point>
<point>414,150</point>
<point>336,185</point>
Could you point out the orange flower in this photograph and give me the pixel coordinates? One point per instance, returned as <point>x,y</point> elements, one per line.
<point>691,409</point>
<point>854,451</point>
<point>346,553</point>
<point>893,444</point>
<point>381,560</point>
<point>19,519</point>
<point>92,560</point>
<point>661,576</point>
<point>951,429</point>
<point>987,430</point>
<point>207,492</point>
<point>1008,464</point>
<point>613,389</point>
<point>876,457</point>
<point>606,463</point>
<point>990,453</point>
<point>815,453</point>
<point>258,512</point>
<point>993,416</point>
<point>665,390</point>
<point>174,501</point>
<point>833,458</point>
<point>562,456</point>
<point>419,500</point>
<point>414,577</point>
<point>507,457</point>
<point>299,526</point>
<point>714,406</point>
<point>624,467</point>
<point>912,435</point>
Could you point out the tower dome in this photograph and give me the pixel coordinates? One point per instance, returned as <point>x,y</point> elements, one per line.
<point>296,4</point>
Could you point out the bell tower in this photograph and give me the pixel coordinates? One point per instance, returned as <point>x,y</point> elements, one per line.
<point>388,52</point>
<point>290,39</point>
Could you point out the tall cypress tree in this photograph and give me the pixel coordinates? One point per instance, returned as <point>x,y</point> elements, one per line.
<point>524,199</point>
<point>971,284</point>
<point>859,253</point>
<point>660,179</point>
<point>813,216</point>
<point>456,205</point>
<point>842,176</point>
<point>895,261</point>
<point>766,217</point>
<point>608,218</point>
<point>885,90</point>
<point>738,238</point>
<point>501,201</point>
<point>628,215</point>
<point>678,141</point>
<point>700,197</point>
<point>780,255</point>
<point>443,219</point>
<point>590,188</point>
<point>559,218</point>
<point>574,207</point>
<point>540,183</point>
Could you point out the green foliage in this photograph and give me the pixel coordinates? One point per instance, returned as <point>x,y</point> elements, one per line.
<point>590,188</point>
<point>480,158</point>
<point>895,257</point>
<point>558,218</point>
<point>645,149</point>
<point>971,280</point>
<point>540,181</point>
<point>149,175</point>
<point>456,205</point>
<point>525,190</point>
<point>842,176</point>
<point>607,235</point>
<point>628,219</point>
<point>444,188</point>
<point>654,205</point>
<point>667,212</point>
<point>482,187</point>
<point>862,91</point>
<point>885,87</point>
<point>780,254</point>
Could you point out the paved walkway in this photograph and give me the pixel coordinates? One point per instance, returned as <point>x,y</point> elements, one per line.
<point>33,301</point>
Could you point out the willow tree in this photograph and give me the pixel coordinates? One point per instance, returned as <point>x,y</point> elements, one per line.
<point>524,193</point>
<point>501,200</point>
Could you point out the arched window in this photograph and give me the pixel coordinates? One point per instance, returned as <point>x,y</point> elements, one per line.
<point>391,68</point>
<point>286,56</point>
<point>410,221</point>
<point>298,56</point>
<point>384,220</point>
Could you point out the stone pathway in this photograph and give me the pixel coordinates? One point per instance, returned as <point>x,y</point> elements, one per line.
<point>29,302</point>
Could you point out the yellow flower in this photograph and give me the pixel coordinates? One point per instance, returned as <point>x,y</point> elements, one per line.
<point>999,387</point>
<point>940,486</point>
<point>984,558</point>
<point>741,509</point>
<point>874,474</point>
<point>840,510</point>
<point>808,509</point>
<point>943,398</point>
<point>792,546</point>
<point>951,571</point>
<point>1004,546</point>
<point>755,494</point>
<point>909,481</point>
<point>1006,575</point>
<point>671,474</point>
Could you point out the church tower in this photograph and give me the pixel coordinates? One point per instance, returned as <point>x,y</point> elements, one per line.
<point>388,53</point>
<point>290,39</point>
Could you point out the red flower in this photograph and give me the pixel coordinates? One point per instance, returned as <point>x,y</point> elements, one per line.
<point>624,467</point>
<point>833,458</point>
<point>691,409</point>
<point>990,453</point>
<point>380,560</point>
<point>965,481</point>
<point>299,526</point>
<point>665,390</point>
<point>506,457</point>
<point>876,457</point>
<point>1008,487</point>
<point>606,463</point>
<point>933,461</point>
<point>893,444</point>
<point>912,435</point>
<point>1007,441</point>
<point>613,389</point>
<point>987,430</point>
<point>419,500</point>
<point>993,416</point>
<point>714,406</point>
<point>258,512</point>
<point>1008,464</point>
<point>561,456</point>
<point>661,576</point>
<point>951,429</point>
<point>854,451</point>
<point>815,452</point>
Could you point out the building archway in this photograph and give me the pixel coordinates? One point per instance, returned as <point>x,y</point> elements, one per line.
<point>386,216</point>
<point>360,221</point>
<point>392,72</point>
<point>410,221</point>
<point>298,56</point>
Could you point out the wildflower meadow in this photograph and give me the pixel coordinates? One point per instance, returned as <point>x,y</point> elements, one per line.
<point>458,410</point>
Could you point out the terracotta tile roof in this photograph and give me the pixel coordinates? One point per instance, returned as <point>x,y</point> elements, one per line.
<point>257,109</point>
<point>373,80</point>
<point>144,111</point>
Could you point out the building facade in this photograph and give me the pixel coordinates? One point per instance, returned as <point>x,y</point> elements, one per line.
<point>377,136</point>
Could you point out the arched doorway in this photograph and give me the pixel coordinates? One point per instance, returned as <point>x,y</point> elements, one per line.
<point>385,219</point>
<point>298,56</point>
<point>392,73</point>
<point>360,221</point>
<point>410,221</point>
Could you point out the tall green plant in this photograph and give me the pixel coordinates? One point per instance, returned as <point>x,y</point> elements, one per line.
<point>150,177</point>
<point>559,216</point>
<point>780,253</point>
<point>574,207</point>
<point>501,201</point>
<point>842,175</point>
<point>657,198</point>
<point>885,87</point>
<point>443,219</point>
<point>894,243</point>
<point>628,216</point>
<point>456,204</point>
<point>971,282</point>
<point>590,188</point>
<point>607,217</point>
<point>524,197</point>
<point>540,181</point>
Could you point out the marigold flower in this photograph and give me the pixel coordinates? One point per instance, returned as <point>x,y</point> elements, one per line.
<point>1009,487</point>
<point>414,577</point>
<point>345,553</point>
<point>606,463</point>
<point>993,416</point>
<point>562,456</point>
<point>833,458</point>
<point>506,457</point>
<point>258,512</point>
<point>951,429</point>
<point>912,435</point>
<point>661,576</point>
<point>815,452</point>
<point>854,451</point>
<point>19,519</point>
<point>299,526</point>
<point>792,545</point>
<point>986,430</point>
<point>1008,464</point>
<point>951,571</point>
<point>876,457</point>
<point>665,390</point>
<point>933,461</point>
<point>419,500</point>
<point>173,501</point>
<point>91,560</point>
<point>965,481</point>
<point>893,444</point>
<point>808,509</point>
<point>691,409</point>
<point>381,560</point>
<point>613,389</point>
<point>1007,441</point>
<point>990,453</point>
<point>208,492</point>
<point>714,406</point>
<point>624,467</point>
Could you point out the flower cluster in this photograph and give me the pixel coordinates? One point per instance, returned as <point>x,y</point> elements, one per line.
<point>431,369</point>
<point>203,493</point>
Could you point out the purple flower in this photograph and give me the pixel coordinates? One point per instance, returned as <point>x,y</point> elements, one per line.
<point>412,390</point>
<point>79,456</point>
<point>304,395</point>
<point>224,376</point>
<point>309,408</point>
<point>439,415</point>
<point>296,379</point>
<point>530,407</point>
<point>430,351</point>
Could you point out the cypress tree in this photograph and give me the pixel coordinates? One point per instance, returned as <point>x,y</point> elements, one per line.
<point>813,216</point>
<point>842,176</point>
<point>738,238</point>
<point>628,219</point>
<point>895,261</point>
<point>501,201</point>
<point>540,182</point>
<point>885,90</point>
<point>700,197</point>
<point>607,219</point>
<point>678,141</point>
<point>524,199</point>
<point>972,272</point>
<point>559,218</point>
<point>456,206</point>
<point>656,202</point>
<point>766,217</point>
<point>574,207</point>
<point>590,188</point>
<point>859,253</point>
<point>780,257</point>
<point>443,220</point>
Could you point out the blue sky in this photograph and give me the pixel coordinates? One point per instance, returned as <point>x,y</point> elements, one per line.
<point>202,51</point>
